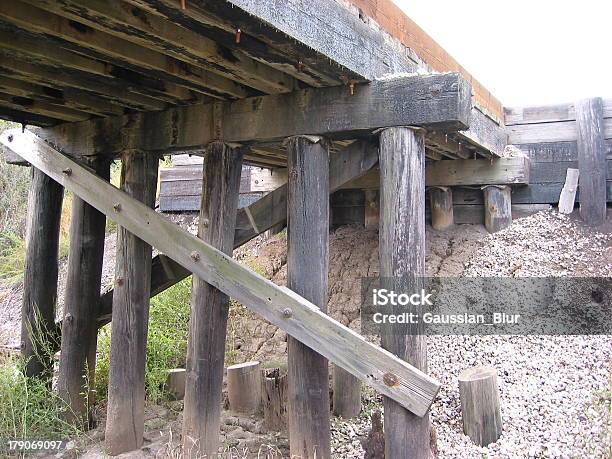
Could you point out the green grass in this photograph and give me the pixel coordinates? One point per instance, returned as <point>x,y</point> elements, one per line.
<point>28,408</point>
<point>166,342</point>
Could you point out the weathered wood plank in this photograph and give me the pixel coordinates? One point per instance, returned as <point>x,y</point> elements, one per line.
<point>209,305</point>
<point>567,197</point>
<point>560,131</point>
<point>40,273</point>
<point>442,101</point>
<point>76,377</point>
<point>342,346</point>
<point>41,107</point>
<point>402,268</point>
<point>37,21</point>
<point>513,170</point>
<point>126,386</point>
<point>485,133</point>
<point>307,275</point>
<point>591,160</point>
<point>548,113</point>
<point>556,151</point>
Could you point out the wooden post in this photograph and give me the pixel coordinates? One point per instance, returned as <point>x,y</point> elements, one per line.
<point>347,394</point>
<point>402,262</point>
<point>80,325</point>
<point>591,160</point>
<point>125,412</point>
<point>372,209</point>
<point>441,200</point>
<point>244,387</point>
<point>40,274</point>
<point>274,399</point>
<point>307,275</point>
<point>480,408</point>
<point>497,207</point>
<point>209,306</point>
<point>568,193</point>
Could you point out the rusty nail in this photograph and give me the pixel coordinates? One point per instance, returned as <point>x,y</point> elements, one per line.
<point>390,379</point>
<point>22,345</point>
<point>69,317</point>
<point>67,171</point>
<point>205,222</point>
<point>287,313</point>
<point>183,5</point>
<point>352,88</point>
<point>117,207</point>
<point>195,256</point>
<point>238,32</point>
<point>119,281</point>
<point>300,66</point>
<point>10,138</point>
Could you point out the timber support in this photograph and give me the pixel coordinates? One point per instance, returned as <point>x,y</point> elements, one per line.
<point>402,267</point>
<point>126,388</point>
<point>497,207</point>
<point>80,325</point>
<point>209,305</point>
<point>307,275</point>
<point>441,200</point>
<point>40,274</point>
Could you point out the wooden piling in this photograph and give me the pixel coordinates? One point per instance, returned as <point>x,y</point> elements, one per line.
<point>274,399</point>
<point>244,387</point>
<point>591,160</point>
<point>81,303</point>
<point>441,200</point>
<point>372,209</point>
<point>497,207</point>
<point>307,275</point>
<point>125,411</point>
<point>346,401</point>
<point>40,274</point>
<point>480,407</point>
<point>402,267</point>
<point>209,306</point>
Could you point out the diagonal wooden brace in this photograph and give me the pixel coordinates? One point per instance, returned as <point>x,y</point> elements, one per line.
<point>411,388</point>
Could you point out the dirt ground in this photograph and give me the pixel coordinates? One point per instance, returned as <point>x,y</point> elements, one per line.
<point>555,390</point>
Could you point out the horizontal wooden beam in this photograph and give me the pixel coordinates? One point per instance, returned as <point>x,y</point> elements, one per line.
<point>547,113</point>
<point>500,171</point>
<point>556,131</point>
<point>301,319</point>
<point>152,31</point>
<point>38,21</point>
<point>40,107</point>
<point>437,101</point>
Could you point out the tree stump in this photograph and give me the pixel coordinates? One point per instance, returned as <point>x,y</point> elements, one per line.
<point>244,387</point>
<point>175,383</point>
<point>480,407</point>
<point>498,207</point>
<point>274,398</point>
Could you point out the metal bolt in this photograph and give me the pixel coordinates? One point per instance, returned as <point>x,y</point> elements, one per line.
<point>195,256</point>
<point>117,207</point>
<point>10,138</point>
<point>390,379</point>
<point>69,317</point>
<point>205,222</point>
<point>67,171</point>
<point>287,313</point>
<point>119,281</point>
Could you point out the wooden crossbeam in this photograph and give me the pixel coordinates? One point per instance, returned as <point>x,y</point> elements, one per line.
<point>155,32</point>
<point>301,319</point>
<point>41,107</point>
<point>67,80</point>
<point>37,21</point>
<point>440,101</point>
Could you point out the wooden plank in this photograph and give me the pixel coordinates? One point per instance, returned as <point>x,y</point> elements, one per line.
<point>40,107</point>
<point>547,113</point>
<point>402,268</point>
<point>342,346</point>
<point>155,32</point>
<point>267,179</point>
<point>591,160</point>
<point>568,192</point>
<point>485,133</point>
<point>126,380</point>
<point>210,306</point>
<point>37,21</point>
<point>513,170</point>
<point>440,101</point>
<point>118,93</point>
<point>556,151</point>
<point>76,376</point>
<point>560,131</point>
<point>307,275</point>
<point>40,273</point>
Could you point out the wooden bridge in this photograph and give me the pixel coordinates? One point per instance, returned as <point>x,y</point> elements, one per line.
<point>327,89</point>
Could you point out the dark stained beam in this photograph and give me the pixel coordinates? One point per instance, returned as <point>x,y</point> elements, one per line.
<point>440,101</point>
<point>154,32</point>
<point>35,20</point>
<point>40,107</point>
